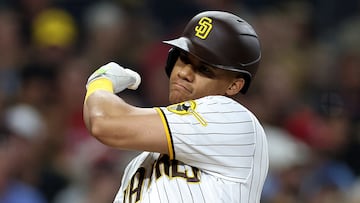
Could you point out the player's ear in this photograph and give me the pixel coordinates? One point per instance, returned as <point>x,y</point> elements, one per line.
<point>235,86</point>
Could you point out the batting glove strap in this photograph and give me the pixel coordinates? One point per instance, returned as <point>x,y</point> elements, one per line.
<point>99,84</point>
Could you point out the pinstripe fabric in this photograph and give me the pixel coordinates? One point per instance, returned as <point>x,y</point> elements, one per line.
<point>223,161</point>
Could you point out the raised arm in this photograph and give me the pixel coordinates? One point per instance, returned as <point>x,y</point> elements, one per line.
<point>114,122</point>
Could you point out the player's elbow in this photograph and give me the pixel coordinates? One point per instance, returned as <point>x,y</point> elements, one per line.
<point>103,132</point>
<point>96,126</point>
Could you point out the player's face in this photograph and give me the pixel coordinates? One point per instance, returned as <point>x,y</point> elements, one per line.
<point>193,79</point>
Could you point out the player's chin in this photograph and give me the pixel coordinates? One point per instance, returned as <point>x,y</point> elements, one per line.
<point>178,96</point>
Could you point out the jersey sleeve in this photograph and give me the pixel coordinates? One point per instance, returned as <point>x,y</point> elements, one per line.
<point>215,134</point>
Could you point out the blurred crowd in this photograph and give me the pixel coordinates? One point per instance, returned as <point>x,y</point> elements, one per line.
<point>306,93</point>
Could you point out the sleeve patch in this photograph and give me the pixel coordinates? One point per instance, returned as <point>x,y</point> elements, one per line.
<point>187,108</point>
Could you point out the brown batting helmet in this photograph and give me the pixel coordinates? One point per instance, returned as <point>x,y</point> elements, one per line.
<point>221,40</point>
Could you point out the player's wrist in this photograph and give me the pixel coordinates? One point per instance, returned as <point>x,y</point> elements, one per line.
<point>99,84</point>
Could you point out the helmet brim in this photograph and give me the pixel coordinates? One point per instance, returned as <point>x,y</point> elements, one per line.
<point>181,42</point>
<point>185,44</point>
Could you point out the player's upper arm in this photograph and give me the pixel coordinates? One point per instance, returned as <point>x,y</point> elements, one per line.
<point>120,125</point>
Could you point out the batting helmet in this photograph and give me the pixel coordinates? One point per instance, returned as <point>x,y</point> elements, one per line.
<point>221,40</point>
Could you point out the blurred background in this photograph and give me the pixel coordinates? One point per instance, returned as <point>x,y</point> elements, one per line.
<point>306,92</point>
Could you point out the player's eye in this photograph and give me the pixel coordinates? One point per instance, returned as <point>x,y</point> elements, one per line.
<point>205,70</point>
<point>198,67</point>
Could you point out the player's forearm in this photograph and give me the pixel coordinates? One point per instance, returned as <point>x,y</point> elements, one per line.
<point>101,107</point>
<point>105,115</point>
<point>117,124</point>
<point>99,93</point>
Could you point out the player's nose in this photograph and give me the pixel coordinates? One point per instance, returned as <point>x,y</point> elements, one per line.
<point>187,72</point>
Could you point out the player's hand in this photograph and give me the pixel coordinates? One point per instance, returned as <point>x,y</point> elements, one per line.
<point>121,78</point>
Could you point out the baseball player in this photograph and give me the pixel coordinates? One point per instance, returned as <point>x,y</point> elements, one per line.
<point>204,146</point>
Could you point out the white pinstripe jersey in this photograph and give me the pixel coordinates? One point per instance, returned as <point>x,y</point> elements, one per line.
<point>218,153</point>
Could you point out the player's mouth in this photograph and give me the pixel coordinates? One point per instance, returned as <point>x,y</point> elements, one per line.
<point>180,87</point>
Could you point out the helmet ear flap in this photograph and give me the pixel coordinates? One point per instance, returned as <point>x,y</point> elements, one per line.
<point>171,59</point>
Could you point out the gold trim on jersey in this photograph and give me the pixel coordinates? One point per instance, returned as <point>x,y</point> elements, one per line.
<point>167,132</point>
<point>186,108</point>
